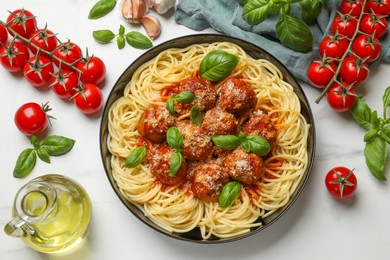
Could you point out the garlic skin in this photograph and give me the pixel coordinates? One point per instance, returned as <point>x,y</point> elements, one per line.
<point>134,10</point>
<point>152,26</point>
<point>161,6</point>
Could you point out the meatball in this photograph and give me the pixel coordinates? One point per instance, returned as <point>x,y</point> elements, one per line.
<point>208,181</point>
<point>244,167</point>
<point>219,122</point>
<point>160,164</point>
<point>261,124</point>
<point>154,123</point>
<point>196,144</point>
<point>205,94</point>
<point>236,97</point>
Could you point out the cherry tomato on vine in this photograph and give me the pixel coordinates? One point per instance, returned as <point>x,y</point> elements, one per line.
<point>3,34</point>
<point>90,99</point>
<point>64,83</point>
<point>22,22</point>
<point>341,182</point>
<point>345,24</point>
<point>321,72</point>
<point>38,71</point>
<point>373,24</point>
<point>354,70</point>
<point>68,52</point>
<point>367,47</point>
<point>92,70</point>
<point>31,118</point>
<point>379,6</point>
<point>352,7</point>
<point>333,46</point>
<point>14,56</point>
<point>341,97</point>
<point>44,39</point>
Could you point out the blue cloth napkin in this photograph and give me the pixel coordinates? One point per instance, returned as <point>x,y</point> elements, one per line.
<point>225,16</point>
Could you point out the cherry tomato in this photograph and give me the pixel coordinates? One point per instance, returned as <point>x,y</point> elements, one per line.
<point>31,118</point>
<point>345,25</point>
<point>44,39</point>
<point>90,100</point>
<point>341,97</point>
<point>68,52</point>
<point>93,70</point>
<point>38,71</point>
<point>22,22</point>
<point>367,47</point>
<point>333,46</point>
<point>354,70</point>
<point>352,7</point>
<point>64,83</point>
<point>341,182</point>
<point>373,24</point>
<point>3,34</point>
<point>379,6</point>
<point>321,72</point>
<point>14,56</point>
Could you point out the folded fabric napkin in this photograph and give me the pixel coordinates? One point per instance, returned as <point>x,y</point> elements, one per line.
<point>225,16</point>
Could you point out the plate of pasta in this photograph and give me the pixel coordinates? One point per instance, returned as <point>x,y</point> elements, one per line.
<point>207,138</point>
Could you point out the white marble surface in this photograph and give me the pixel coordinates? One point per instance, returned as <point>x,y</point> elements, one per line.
<point>316,227</point>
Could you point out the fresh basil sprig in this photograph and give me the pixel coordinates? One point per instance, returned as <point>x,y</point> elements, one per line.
<point>377,135</point>
<point>135,157</point>
<point>217,65</point>
<point>176,162</point>
<point>53,145</point>
<point>230,192</point>
<point>195,115</point>
<point>252,143</point>
<point>101,8</point>
<point>182,97</point>
<point>175,140</point>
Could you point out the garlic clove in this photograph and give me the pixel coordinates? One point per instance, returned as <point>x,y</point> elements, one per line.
<point>161,6</point>
<point>152,26</point>
<point>134,10</point>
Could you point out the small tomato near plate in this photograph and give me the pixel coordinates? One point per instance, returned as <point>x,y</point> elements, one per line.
<point>31,118</point>
<point>341,182</point>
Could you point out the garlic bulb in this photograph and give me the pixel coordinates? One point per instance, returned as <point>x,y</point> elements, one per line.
<point>161,6</point>
<point>134,10</point>
<point>152,26</point>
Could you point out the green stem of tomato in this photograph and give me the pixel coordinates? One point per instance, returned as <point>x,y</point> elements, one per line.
<point>334,79</point>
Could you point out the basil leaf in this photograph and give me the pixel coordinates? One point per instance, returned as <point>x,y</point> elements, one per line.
<point>386,98</point>
<point>184,97</point>
<point>217,65</point>
<point>226,142</point>
<point>246,146</point>
<point>255,11</point>
<point>138,40</point>
<point>230,192</point>
<point>120,41</point>
<point>57,145</point>
<point>259,145</point>
<point>195,115</point>
<point>376,155</point>
<point>25,163</point>
<point>176,162</point>
<point>101,8</point>
<point>34,140</point>
<point>242,136</point>
<point>310,9</point>
<point>171,105</point>
<point>135,157</point>
<point>385,134</point>
<point>121,30</point>
<point>174,138</point>
<point>43,154</point>
<point>362,113</point>
<point>103,36</point>
<point>276,5</point>
<point>294,33</point>
<point>370,134</point>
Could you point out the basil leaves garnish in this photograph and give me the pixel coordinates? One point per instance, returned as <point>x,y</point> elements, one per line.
<point>176,162</point>
<point>101,8</point>
<point>138,40</point>
<point>103,36</point>
<point>217,65</point>
<point>195,115</point>
<point>229,194</point>
<point>135,157</point>
<point>175,140</point>
<point>182,97</point>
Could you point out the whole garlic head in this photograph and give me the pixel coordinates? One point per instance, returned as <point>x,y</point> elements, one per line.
<point>161,6</point>
<point>134,10</point>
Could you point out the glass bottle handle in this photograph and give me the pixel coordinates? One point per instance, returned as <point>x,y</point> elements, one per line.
<point>18,228</point>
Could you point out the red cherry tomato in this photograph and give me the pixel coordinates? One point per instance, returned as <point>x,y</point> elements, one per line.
<point>367,47</point>
<point>333,46</point>
<point>3,34</point>
<point>321,72</point>
<point>44,39</point>
<point>341,97</point>
<point>91,100</point>
<point>345,25</point>
<point>92,70</point>
<point>354,70</point>
<point>22,22</point>
<point>38,71</point>
<point>14,56</point>
<point>373,24</point>
<point>341,182</point>
<point>31,118</point>
<point>352,7</point>
<point>68,52</point>
<point>379,6</point>
<point>64,83</point>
